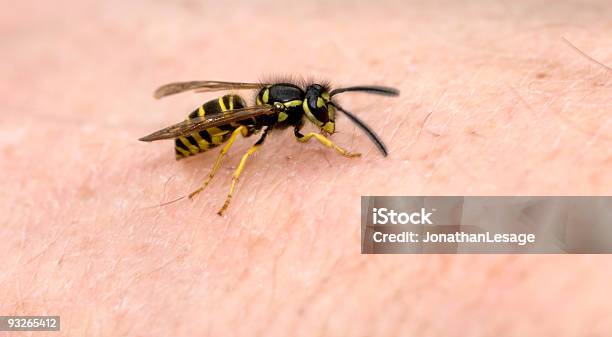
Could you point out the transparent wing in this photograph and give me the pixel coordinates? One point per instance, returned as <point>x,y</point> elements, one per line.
<point>202,86</point>
<point>192,125</point>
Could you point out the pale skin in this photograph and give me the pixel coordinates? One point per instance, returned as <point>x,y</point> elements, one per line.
<point>493,102</point>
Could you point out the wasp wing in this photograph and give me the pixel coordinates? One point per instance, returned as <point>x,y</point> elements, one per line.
<point>202,86</point>
<point>196,124</point>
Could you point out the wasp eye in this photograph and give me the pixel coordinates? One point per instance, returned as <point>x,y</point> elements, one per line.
<point>318,108</point>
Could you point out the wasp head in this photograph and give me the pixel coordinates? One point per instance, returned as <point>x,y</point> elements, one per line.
<point>318,108</point>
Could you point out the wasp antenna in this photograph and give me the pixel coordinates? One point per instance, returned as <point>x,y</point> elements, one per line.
<point>372,89</point>
<point>373,136</point>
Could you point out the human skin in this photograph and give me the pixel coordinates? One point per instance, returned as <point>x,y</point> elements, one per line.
<point>493,102</point>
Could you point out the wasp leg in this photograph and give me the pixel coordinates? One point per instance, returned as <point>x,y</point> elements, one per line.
<point>325,141</point>
<point>230,142</point>
<point>240,168</point>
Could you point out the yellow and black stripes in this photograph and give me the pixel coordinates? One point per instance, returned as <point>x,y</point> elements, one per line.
<point>204,140</point>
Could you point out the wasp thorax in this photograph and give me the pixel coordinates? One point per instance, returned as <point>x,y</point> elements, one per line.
<point>318,108</point>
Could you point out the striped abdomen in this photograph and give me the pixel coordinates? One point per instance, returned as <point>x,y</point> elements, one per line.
<point>201,141</point>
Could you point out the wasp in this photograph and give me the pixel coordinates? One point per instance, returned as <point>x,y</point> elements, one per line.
<point>278,106</point>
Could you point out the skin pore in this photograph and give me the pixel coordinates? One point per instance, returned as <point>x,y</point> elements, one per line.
<point>493,102</point>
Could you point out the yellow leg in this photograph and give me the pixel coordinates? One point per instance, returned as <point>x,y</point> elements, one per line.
<point>226,148</point>
<point>325,141</point>
<point>236,176</point>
